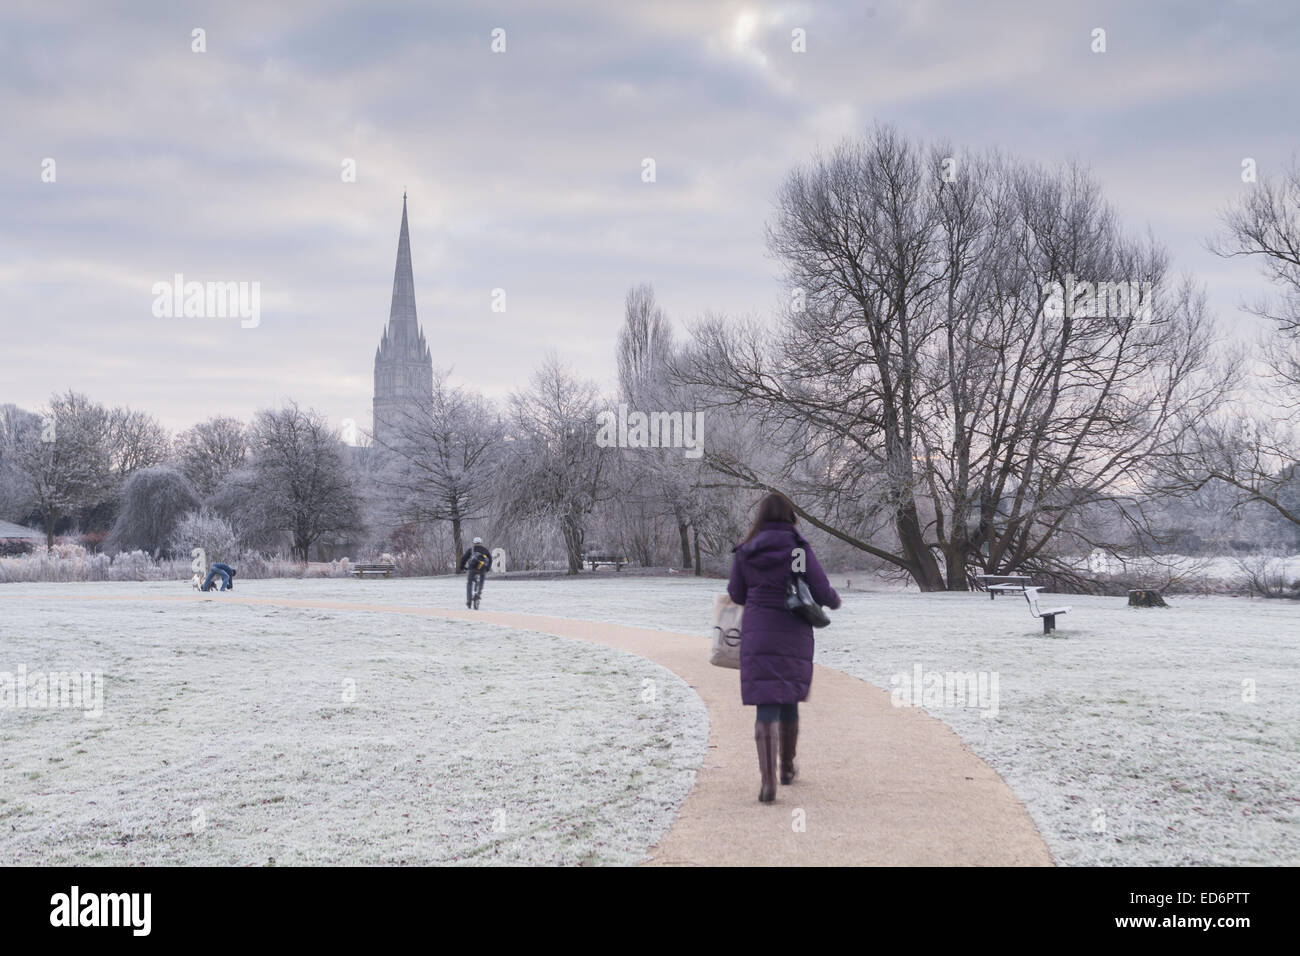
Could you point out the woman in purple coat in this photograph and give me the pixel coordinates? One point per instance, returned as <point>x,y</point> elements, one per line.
<point>776,648</point>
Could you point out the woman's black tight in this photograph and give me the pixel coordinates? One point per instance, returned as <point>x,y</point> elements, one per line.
<point>786,713</point>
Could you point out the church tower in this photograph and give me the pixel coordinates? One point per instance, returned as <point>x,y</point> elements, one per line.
<point>403,364</point>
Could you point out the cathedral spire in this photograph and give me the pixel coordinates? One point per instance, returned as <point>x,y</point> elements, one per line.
<point>403,364</point>
<point>402,311</point>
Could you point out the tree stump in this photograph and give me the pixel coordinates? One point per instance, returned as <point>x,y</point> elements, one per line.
<point>1145,597</point>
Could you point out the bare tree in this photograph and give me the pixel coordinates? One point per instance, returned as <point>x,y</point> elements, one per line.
<point>63,458</point>
<point>211,451</point>
<point>136,440</point>
<point>923,401</point>
<point>298,480</point>
<point>644,345</point>
<point>553,467</point>
<point>442,458</point>
<point>653,487</point>
<point>1254,448</point>
<point>16,502</point>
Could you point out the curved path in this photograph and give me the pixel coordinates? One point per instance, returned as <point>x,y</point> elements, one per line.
<point>878,785</point>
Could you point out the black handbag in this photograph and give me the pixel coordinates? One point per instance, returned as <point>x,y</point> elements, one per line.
<point>799,602</point>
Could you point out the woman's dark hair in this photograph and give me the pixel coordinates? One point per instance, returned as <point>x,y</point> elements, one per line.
<point>773,507</point>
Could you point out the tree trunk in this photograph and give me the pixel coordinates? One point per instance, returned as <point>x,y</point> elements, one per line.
<point>641,550</point>
<point>686,543</point>
<point>920,560</point>
<point>572,542</point>
<point>955,561</point>
<point>698,572</point>
<point>641,540</point>
<point>458,541</point>
<point>955,555</point>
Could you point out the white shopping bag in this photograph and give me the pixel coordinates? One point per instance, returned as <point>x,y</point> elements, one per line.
<point>725,651</point>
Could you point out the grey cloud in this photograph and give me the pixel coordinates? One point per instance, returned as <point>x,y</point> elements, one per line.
<point>523,168</point>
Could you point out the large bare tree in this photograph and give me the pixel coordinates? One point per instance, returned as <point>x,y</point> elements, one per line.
<point>442,458</point>
<point>553,467</point>
<point>16,502</point>
<point>136,440</point>
<point>944,390</point>
<point>298,482</point>
<point>62,458</point>
<point>645,343</point>
<point>211,451</point>
<point>653,484</point>
<point>1254,447</point>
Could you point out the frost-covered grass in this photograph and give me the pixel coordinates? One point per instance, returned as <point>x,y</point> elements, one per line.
<point>1130,734</point>
<point>249,735</point>
<point>71,562</point>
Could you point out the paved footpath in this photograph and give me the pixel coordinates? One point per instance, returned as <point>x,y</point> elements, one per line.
<point>878,785</point>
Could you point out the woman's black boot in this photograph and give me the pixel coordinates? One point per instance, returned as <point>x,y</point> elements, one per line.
<point>765,737</point>
<point>789,737</point>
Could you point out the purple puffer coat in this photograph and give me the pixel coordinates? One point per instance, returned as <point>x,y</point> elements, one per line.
<point>776,648</point>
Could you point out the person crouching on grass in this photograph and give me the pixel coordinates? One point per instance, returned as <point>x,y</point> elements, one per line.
<point>224,571</point>
<point>776,647</point>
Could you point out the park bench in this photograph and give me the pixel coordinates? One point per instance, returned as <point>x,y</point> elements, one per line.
<point>997,584</point>
<point>616,561</point>
<point>1049,615</point>
<point>361,570</point>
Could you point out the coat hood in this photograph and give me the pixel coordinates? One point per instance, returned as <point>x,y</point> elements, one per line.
<point>772,546</point>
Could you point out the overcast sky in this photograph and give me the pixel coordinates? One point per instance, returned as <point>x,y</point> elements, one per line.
<point>524,168</point>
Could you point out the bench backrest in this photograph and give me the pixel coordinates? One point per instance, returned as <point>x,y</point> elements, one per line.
<point>1031,595</point>
<point>1003,578</point>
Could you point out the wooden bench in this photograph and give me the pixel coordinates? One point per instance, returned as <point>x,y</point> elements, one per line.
<point>616,561</point>
<point>361,570</point>
<point>997,584</point>
<point>1049,615</point>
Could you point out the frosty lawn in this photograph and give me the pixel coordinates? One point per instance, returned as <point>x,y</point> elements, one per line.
<point>1133,736</point>
<point>247,735</point>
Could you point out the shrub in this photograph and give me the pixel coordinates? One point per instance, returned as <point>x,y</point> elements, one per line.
<point>67,550</point>
<point>211,532</point>
<point>1265,575</point>
<point>154,501</point>
<point>133,566</point>
<point>69,562</point>
<point>11,547</point>
<point>423,563</point>
<point>252,564</point>
<point>93,541</point>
